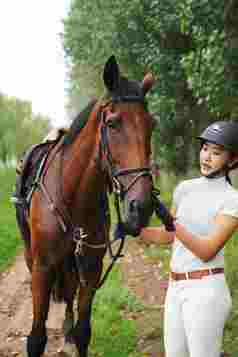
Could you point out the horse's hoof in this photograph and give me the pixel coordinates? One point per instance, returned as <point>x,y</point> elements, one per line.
<point>68,350</point>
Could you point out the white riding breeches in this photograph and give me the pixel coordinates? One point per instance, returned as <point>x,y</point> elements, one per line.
<point>195,314</point>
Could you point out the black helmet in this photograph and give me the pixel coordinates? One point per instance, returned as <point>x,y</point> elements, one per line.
<point>223,133</point>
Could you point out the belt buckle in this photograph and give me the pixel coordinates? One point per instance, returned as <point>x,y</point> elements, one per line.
<point>206,272</point>
<point>187,275</point>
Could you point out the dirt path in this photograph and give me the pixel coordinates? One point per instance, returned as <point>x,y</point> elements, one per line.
<point>142,276</point>
<point>16,311</point>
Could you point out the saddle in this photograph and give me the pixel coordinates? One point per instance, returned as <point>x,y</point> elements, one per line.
<point>29,169</point>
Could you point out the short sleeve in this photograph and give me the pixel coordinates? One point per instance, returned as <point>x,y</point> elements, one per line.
<point>230,207</point>
<point>178,192</point>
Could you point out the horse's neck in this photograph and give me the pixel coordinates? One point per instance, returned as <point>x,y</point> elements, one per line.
<point>82,177</point>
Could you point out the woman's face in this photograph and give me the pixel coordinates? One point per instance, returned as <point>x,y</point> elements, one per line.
<point>212,158</point>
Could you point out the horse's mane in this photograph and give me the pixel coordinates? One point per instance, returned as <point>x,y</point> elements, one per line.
<point>79,122</point>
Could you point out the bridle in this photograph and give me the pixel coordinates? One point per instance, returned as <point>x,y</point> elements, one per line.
<point>119,189</point>
<point>106,156</point>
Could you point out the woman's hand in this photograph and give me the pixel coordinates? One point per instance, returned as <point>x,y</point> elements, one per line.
<point>165,216</point>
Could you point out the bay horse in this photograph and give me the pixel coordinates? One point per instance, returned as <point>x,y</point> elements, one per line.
<point>66,229</point>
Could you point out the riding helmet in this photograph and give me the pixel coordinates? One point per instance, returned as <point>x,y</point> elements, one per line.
<point>223,133</point>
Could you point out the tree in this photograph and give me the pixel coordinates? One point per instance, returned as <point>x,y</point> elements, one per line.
<point>190,46</point>
<point>19,127</point>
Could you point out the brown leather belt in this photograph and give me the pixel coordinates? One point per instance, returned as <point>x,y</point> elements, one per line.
<point>196,274</point>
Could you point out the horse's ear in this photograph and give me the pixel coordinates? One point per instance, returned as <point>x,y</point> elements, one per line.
<point>147,82</point>
<point>111,74</point>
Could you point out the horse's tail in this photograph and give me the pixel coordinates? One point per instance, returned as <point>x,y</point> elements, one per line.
<point>21,218</point>
<point>58,293</point>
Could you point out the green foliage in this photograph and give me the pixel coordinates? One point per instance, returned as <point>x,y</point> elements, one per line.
<point>190,46</point>
<point>9,235</point>
<point>19,127</point>
<point>231,256</point>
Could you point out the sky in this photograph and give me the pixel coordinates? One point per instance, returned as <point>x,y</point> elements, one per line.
<point>32,65</point>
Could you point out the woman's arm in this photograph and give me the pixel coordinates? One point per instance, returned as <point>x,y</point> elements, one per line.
<point>206,248</point>
<point>157,235</point>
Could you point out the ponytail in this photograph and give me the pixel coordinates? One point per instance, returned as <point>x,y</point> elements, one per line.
<point>228,179</point>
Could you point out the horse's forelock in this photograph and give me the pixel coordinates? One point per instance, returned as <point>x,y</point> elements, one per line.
<point>127,88</point>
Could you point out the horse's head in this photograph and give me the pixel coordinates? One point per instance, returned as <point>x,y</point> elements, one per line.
<point>126,129</point>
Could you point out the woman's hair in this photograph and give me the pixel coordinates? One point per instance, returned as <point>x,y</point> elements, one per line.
<point>228,179</point>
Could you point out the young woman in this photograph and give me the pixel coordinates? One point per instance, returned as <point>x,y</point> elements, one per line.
<point>205,212</point>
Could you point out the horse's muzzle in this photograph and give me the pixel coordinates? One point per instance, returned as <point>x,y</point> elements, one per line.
<point>137,215</point>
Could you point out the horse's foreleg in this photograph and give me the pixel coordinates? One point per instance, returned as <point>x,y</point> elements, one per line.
<point>68,348</point>
<point>82,330</point>
<point>70,287</point>
<point>42,280</point>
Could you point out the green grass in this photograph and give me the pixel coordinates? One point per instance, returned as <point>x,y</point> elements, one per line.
<point>231,330</point>
<point>10,241</point>
<point>113,334</point>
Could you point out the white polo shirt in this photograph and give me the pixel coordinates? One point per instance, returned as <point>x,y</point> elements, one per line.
<point>197,203</point>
